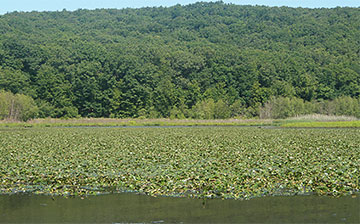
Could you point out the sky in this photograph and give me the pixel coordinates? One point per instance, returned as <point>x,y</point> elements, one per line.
<point>57,5</point>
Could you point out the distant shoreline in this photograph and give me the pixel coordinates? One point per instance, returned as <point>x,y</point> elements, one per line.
<point>111,122</point>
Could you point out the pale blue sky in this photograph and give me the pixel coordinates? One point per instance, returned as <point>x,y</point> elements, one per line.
<point>54,5</point>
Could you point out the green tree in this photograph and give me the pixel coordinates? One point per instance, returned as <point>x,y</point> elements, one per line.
<point>17,107</point>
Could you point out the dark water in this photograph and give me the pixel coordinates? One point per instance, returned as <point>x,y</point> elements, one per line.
<point>133,208</point>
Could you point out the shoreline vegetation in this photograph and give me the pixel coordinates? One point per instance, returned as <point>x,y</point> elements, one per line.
<point>308,121</point>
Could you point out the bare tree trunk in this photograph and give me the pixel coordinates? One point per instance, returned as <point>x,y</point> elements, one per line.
<point>11,112</point>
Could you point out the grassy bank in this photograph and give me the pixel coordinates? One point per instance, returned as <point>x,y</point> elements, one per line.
<point>328,124</point>
<point>226,162</point>
<point>314,120</point>
<point>320,121</point>
<point>108,122</point>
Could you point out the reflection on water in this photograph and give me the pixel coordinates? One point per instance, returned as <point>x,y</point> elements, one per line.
<point>133,208</point>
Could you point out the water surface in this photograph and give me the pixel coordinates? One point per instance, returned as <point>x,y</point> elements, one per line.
<point>133,208</point>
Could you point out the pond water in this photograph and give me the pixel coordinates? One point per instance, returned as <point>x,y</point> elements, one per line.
<point>134,208</point>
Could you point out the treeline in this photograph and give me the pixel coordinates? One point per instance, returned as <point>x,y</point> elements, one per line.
<point>284,107</point>
<point>204,60</point>
<point>17,107</point>
<point>21,107</point>
<point>275,108</point>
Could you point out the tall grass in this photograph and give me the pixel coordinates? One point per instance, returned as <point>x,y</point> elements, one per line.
<point>321,117</point>
<point>135,122</point>
<point>323,124</point>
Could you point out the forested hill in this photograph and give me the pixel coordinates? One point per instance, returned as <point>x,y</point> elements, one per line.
<point>154,62</point>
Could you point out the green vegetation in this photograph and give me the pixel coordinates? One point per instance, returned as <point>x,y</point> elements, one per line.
<point>319,121</point>
<point>16,107</point>
<point>108,122</point>
<point>319,117</point>
<point>319,124</point>
<point>285,107</point>
<point>313,120</point>
<point>200,61</point>
<point>227,162</point>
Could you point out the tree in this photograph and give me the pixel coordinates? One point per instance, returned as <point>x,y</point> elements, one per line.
<point>162,62</point>
<point>17,107</point>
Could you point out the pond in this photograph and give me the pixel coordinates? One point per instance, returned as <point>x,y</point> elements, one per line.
<point>134,208</point>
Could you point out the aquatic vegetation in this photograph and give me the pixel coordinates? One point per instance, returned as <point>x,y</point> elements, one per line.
<point>227,162</point>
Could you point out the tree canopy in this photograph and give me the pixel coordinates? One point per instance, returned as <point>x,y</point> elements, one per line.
<point>180,61</point>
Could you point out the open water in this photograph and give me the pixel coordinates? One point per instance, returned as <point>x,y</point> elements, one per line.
<point>134,208</point>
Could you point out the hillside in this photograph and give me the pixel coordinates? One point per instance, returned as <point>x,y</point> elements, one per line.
<point>158,62</point>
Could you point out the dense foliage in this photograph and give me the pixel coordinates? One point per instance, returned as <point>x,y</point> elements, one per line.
<point>206,162</point>
<point>162,62</point>
<point>17,107</point>
<point>283,107</point>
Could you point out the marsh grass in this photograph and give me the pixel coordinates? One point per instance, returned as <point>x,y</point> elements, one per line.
<point>321,120</point>
<point>102,122</point>
<point>313,120</point>
<point>321,124</point>
<point>321,117</point>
